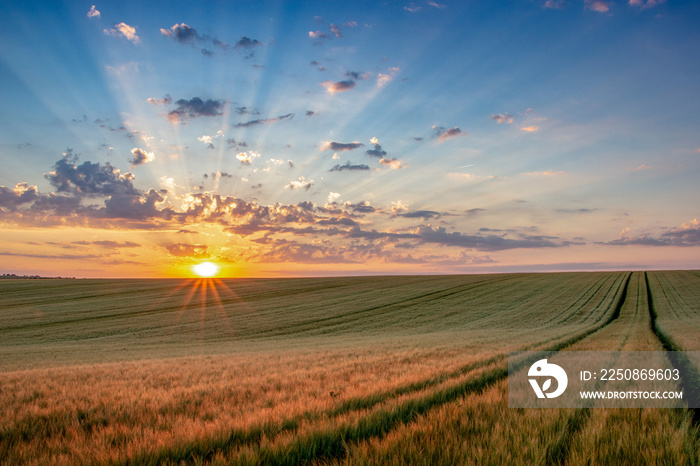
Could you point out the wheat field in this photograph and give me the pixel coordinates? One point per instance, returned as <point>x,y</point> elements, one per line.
<point>368,370</point>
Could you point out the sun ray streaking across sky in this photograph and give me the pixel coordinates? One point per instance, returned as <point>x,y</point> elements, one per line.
<point>347,139</point>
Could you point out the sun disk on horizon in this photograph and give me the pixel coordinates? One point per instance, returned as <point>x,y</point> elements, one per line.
<point>206,269</point>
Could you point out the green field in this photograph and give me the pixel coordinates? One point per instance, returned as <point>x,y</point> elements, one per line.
<point>370,370</point>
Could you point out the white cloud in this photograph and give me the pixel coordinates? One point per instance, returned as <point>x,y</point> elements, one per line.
<point>301,183</point>
<point>247,157</point>
<point>125,30</point>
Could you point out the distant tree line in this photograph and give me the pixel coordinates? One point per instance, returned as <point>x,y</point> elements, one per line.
<point>34,277</point>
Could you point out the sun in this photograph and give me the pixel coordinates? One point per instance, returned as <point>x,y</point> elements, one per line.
<point>206,269</point>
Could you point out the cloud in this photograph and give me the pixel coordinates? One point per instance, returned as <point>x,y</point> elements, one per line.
<point>11,199</point>
<point>247,157</point>
<point>412,8</point>
<point>93,12</point>
<point>436,5</point>
<point>383,78</point>
<point>646,3</point>
<point>377,151</point>
<point>301,183</point>
<point>125,30</point>
<point>196,107</point>
<point>140,157</point>
<point>288,116</point>
<point>348,166</point>
<point>358,75</point>
<point>90,179</point>
<point>484,243</point>
<point>248,43</point>
<point>445,133</point>
<point>187,35</point>
<point>339,86</point>
<point>187,250</point>
<point>107,244</point>
<point>531,129</point>
<point>181,33</point>
<point>600,6</point>
<point>393,163</point>
<point>424,214</point>
<point>340,146</point>
<point>317,35</point>
<point>546,173</point>
<point>502,118</point>
<point>167,100</point>
<point>335,30</point>
<point>688,234</point>
<point>555,4</point>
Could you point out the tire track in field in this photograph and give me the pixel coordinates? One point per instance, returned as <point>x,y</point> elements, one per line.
<point>557,451</point>
<point>325,445</point>
<point>690,380</point>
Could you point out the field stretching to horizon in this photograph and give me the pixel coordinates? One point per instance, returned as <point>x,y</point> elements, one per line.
<point>362,370</point>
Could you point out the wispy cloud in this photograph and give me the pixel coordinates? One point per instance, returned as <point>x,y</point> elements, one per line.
<point>530,129</point>
<point>288,116</point>
<point>600,6</point>
<point>348,166</point>
<point>502,118</point>
<point>646,3</point>
<point>555,4</point>
<point>93,12</point>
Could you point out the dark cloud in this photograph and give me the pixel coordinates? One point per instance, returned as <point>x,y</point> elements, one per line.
<point>309,113</point>
<point>376,152</point>
<point>248,43</point>
<point>444,133</point>
<point>348,166</point>
<point>187,35</point>
<point>288,116</point>
<point>575,211</point>
<point>140,157</point>
<point>196,107</point>
<point>424,214</point>
<point>341,146</point>
<point>339,86</point>
<point>474,211</point>
<point>688,234</point>
<point>182,33</point>
<point>11,199</point>
<point>245,110</point>
<point>90,179</point>
<point>357,75</point>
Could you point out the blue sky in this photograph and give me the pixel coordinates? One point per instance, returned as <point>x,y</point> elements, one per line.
<point>281,138</point>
